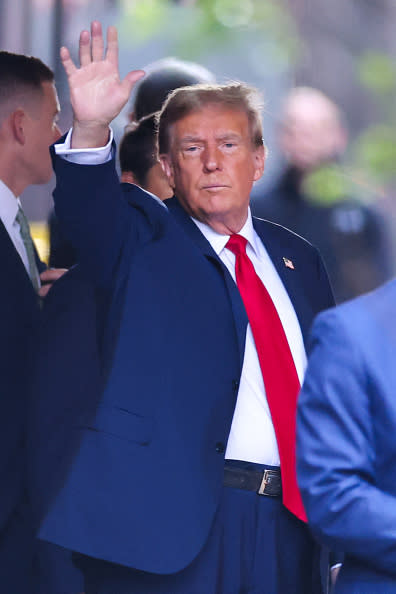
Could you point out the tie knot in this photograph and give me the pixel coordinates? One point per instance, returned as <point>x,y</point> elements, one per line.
<point>237,244</point>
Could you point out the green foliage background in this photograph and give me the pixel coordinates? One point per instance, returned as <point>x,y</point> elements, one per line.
<point>200,27</point>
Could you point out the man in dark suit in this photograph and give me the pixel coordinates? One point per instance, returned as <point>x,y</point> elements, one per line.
<point>28,114</point>
<point>346,439</point>
<point>315,197</point>
<point>169,480</point>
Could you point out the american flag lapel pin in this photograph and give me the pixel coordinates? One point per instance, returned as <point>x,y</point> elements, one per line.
<point>288,263</point>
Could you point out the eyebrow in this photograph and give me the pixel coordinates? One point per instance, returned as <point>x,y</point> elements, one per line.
<point>229,136</point>
<point>225,136</point>
<point>187,139</point>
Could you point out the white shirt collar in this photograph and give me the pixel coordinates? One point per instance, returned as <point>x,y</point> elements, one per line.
<point>218,241</point>
<point>9,205</point>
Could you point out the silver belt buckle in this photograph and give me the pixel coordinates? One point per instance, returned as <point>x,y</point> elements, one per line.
<point>264,482</point>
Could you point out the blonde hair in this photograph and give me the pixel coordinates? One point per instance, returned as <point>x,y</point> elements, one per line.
<point>185,100</point>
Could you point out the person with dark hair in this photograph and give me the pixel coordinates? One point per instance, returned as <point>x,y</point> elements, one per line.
<point>139,162</point>
<point>171,478</point>
<point>29,110</point>
<point>162,77</point>
<point>28,102</point>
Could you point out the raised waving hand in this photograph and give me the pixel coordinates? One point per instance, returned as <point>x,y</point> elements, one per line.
<point>96,92</point>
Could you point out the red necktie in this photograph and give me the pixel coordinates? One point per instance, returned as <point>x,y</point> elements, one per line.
<point>277,366</point>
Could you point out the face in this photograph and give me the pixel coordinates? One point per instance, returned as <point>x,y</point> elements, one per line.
<point>41,131</point>
<point>311,133</point>
<point>212,166</point>
<point>157,182</point>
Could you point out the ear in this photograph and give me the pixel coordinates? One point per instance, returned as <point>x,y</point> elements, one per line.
<point>127,177</point>
<point>18,125</point>
<point>167,168</point>
<point>259,162</point>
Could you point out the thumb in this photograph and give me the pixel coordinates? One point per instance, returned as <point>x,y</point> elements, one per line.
<point>131,79</point>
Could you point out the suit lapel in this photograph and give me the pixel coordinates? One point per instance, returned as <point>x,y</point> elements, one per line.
<point>238,309</point>
<point>292,279</point>
<point>24,297</point>
<point>15,268</point>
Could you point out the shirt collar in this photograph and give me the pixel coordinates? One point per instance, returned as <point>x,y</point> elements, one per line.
<point>9,205</point>
<point>218,241</point>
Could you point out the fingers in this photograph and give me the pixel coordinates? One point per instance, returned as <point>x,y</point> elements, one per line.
<point>52,274</point>
<point>43,291</point>
<point>97,43</point>
<point>112,46</point>
<point>91,46</point>
<point>85,48</point>
<point>48,277</point>
<point>67,62</point>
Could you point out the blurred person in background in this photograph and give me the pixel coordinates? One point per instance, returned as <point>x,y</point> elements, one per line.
<point>139,163</point>
<point>311,198</point>
<point>162,77</point>
<point>346,448</point>
<point>29,109</point>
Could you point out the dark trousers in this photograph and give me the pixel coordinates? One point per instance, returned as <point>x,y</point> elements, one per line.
<point>255,547</point>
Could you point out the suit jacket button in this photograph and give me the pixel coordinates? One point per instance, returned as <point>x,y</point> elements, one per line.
<point>220,447</point>
<point>235,385</point>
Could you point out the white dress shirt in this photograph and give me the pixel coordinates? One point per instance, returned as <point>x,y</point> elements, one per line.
<point>252,436</point>
<point>9,205</point>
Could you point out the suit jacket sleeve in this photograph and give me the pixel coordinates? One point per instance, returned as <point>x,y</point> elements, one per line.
<point>335,447</point>
<point>93,213</point>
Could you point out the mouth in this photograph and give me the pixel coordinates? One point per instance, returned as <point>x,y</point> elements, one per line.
<point>214,187</point>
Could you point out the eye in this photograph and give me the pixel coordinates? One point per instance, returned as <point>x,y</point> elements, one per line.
<point>229,145</point>
<point>192,149</point>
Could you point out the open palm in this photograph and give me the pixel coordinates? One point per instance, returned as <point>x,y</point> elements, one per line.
<point>96,92</point>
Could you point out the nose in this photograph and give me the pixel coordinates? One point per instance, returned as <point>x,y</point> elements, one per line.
<point>211,158</point>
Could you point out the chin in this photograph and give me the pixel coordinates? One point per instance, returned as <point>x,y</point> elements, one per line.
<point>45,178</point>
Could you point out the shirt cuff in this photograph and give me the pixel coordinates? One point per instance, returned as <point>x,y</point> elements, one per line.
<point>335,566</point>
<point>85,156</point>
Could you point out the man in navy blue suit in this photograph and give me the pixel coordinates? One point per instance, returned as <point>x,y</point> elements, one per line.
<point>168,476</point>
<point>346,439</point>
<point>29,110</point>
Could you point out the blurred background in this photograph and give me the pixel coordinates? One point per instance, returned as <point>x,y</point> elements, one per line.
<point>345,49</point>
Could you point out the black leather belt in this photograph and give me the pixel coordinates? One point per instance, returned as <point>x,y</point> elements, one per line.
<point>265,482</point>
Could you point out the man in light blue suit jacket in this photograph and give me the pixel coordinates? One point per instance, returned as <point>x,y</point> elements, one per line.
<point>346,442</point>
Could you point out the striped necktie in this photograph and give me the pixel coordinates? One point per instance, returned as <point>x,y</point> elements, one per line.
<point>29,247</point>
